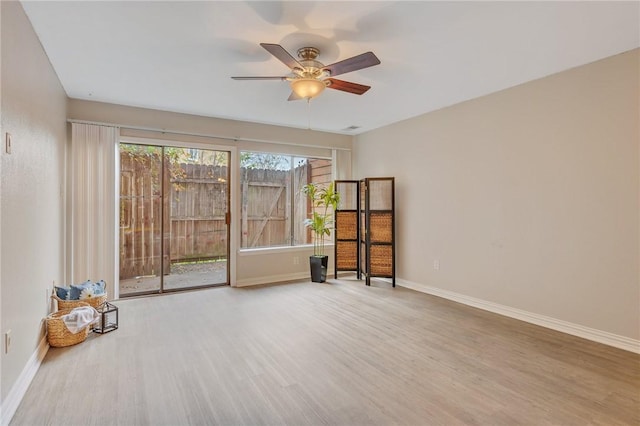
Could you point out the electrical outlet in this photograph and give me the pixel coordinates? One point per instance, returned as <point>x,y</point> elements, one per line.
<point>436,265</point>
<point>296,260</point>
<point>7,341</point>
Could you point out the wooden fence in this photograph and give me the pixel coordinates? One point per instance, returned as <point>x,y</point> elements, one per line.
<point>267,207</point>
<point>195,210</point>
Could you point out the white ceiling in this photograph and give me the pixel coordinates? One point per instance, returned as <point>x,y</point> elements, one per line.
<point>179,56</point>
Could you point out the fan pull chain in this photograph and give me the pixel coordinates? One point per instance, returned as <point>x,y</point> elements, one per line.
<point>308,113</point>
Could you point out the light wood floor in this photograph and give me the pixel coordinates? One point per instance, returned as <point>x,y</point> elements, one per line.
<point>329,354</point>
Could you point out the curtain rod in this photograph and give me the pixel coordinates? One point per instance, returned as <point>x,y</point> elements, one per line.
<point>203,135</point>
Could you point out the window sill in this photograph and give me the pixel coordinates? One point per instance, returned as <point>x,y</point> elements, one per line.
<point>276,250</point>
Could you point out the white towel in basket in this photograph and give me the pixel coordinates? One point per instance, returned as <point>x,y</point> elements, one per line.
<point>79,318</point>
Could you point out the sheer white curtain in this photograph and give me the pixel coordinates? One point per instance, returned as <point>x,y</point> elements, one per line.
<point>92,221</point>
<point>341,163</point>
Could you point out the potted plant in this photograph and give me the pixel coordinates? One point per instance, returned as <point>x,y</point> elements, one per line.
<point>321,224</point>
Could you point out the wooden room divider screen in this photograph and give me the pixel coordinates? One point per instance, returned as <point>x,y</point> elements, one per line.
<point>365,231</point>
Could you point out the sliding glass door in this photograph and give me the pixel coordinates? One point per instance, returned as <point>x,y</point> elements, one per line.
<point>174,218</point>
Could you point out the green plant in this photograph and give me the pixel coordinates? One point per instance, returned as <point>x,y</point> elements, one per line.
<point>321,223</point>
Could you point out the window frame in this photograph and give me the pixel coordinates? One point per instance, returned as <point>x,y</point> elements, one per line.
<point>291,246</point>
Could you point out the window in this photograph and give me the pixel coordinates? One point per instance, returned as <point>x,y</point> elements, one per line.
<point>273,206</point>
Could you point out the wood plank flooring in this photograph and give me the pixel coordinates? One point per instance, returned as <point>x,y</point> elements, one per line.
<point>337,353</point>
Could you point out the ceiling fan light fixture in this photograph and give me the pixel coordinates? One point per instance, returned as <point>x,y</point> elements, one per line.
<point>309,77</point>
<point>307,88</point>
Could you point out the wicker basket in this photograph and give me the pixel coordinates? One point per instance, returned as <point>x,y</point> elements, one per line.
<point>59,335</point>
<point>70,304</point>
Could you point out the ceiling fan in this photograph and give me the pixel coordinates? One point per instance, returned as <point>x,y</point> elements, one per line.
<point>309,77</point>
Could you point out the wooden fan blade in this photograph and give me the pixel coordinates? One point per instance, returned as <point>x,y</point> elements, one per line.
<point>259,78</point>
<point>355,63</point>
<point>347,86</point>
<point>284,56</point>
<point>294,97</point>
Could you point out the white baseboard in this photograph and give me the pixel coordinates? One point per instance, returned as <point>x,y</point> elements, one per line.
<point>13,399</point>
<point>599,336</point>
<point>272,279</point>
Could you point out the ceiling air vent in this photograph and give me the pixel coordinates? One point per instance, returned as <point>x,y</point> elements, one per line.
<point>350,128</point>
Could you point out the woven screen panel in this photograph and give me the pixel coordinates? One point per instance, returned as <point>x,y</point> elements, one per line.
<point>346,225</point>
<point>381,194</point>
<point>381,227</point>
<point>348,195</point>
<point>347,255</point>
<point>381,260</point>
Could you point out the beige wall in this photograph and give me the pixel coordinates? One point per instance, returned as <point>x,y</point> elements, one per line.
<point>193,124</point>
<point>529,197</point>
<point>32,185</point>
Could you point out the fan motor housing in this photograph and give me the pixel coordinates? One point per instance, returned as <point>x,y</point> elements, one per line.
<point>312,68</point>
<point>308,53</point>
